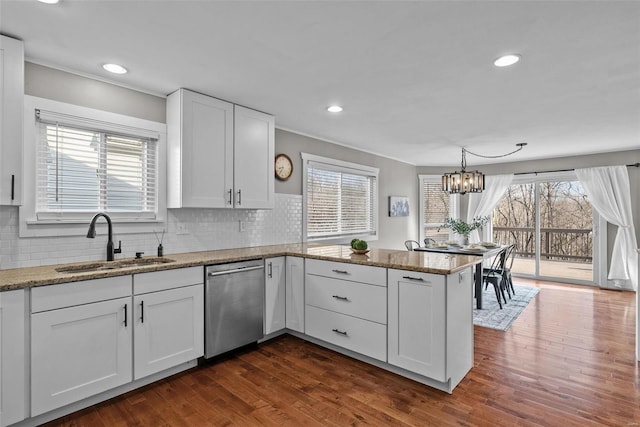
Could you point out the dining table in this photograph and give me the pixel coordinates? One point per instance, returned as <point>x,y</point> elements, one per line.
<point>480,251</point>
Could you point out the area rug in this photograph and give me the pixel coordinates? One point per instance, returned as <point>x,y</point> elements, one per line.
<point>492,317</point>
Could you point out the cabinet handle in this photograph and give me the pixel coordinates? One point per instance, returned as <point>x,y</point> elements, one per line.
<point>340,271</point>
<point>413,278</point>
<point>13,186</point>
<point>239,197</point>
<point>125,315</point>
<point>141,311</point>
<point>270,270</point>
<point>341,298</point>
<point>230,196</point>
<point>338,331</point>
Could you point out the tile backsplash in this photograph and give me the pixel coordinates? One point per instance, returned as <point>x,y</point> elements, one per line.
<point>187,230</point>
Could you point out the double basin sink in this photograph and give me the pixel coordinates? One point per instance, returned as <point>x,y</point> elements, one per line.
<point>113,265</point>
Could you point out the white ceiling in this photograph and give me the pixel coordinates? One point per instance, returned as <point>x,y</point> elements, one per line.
<point>416,79</point>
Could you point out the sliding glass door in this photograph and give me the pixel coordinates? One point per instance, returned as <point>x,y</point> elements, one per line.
<point>551,221</point>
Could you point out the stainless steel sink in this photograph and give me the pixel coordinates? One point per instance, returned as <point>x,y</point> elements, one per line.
<point>113,265</point>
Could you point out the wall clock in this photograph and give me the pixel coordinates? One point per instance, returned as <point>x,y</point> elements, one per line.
<point>283,167</point>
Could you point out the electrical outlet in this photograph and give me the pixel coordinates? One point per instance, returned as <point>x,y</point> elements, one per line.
<point>182,229</point>
<point>242,226</point>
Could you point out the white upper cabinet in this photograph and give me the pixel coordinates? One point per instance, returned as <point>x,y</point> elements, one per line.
<point>11,106</point>
<point>200,151</point>
<point>254,152</point>
<point>220,155</point>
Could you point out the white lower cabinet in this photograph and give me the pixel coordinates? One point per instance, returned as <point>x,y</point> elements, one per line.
<point>417,323</point>
<point>346,305</point>
<point>431,324</point>
<point>91,336</point>
<point>79,351</point>
<point>169,319</point>
<point>169,329</point>
<point>295,294</point>
<point>13,366</point>
<point>275,289</point>
<point>362,336</point>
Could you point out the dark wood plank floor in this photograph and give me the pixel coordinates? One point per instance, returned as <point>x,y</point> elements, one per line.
<point>567,361</point>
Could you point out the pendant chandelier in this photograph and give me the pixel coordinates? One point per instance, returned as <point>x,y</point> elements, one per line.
<point>463,181</point>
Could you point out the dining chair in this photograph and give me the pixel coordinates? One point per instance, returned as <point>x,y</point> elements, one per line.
<point>410,244</point>
<point>493,275</point>
<point>510,255</point>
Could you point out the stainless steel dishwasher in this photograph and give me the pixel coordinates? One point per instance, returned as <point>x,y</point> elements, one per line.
<point>234,306</point>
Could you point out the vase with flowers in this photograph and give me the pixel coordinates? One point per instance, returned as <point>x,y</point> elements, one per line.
<point>464,228</point>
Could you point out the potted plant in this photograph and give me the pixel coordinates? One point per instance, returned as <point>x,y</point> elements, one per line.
<point>464,228</point>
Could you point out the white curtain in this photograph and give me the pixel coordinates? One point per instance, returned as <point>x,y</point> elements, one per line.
<point>482,204</point>
<point>609,191</point>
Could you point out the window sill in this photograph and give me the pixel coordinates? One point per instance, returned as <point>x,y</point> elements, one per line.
<point>64,228</point>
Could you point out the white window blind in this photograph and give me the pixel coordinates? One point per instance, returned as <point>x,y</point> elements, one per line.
<point>437,206</point>
<point>340,200</point>
<point>84,166</point>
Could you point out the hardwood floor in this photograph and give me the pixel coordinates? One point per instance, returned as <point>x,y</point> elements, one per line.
<point>568,360</point>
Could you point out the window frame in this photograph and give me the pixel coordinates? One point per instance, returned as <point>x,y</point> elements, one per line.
<point>454,203</point>
<point>347,167</point>
<point>74,224</point>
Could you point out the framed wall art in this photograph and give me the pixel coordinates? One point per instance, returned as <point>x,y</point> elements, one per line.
<point>398,206</point>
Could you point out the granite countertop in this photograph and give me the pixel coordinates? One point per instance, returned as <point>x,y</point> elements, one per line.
<point>426,262</point>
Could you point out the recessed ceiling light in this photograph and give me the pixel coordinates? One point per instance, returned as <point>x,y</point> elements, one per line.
<point>334,109</point>
<point>115,68</point>
<point>506,60</point>
<point>49,1</point>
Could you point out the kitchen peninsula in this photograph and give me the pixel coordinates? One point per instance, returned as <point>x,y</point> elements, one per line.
<point>407,312</point>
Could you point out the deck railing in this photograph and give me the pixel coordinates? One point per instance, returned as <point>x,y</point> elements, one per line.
<point>556,244</point>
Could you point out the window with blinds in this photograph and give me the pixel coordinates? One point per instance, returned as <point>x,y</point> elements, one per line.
<point>84,166</point>
<point>437,205</point>
<point>340,199</point>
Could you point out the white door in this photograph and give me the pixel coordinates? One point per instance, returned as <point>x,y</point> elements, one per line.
<point>295,294</point>
<point>417,323</point>
<point>169,329</point>
<point>254,152</point>
<point>12,357</point>
<point>275,288</point>
<point>207,152</point>
<point>78,352</point>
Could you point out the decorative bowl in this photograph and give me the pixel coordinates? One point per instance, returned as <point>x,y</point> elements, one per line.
<point>359,251</point>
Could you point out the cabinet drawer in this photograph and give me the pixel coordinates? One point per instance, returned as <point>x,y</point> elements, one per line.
<point>76,293</point>
<point>361,336</point>
<point>352,298</point>
<point>342,270</point>
<point>167,279</point>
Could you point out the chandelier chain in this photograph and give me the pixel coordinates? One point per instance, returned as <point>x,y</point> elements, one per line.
<point>519,145</point>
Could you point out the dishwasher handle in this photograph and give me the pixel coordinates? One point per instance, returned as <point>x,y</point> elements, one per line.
<point>236,270</point>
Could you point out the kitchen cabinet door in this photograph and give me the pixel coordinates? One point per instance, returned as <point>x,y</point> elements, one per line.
<point>200,151</point>
<point>294,294</point>
<point>275,288</point>
<point>254,151</point>
<point>417,323</point>
<point>13,377</point>
<point>11,114</point>
<point>169,329</point>
<point>79,351</point>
